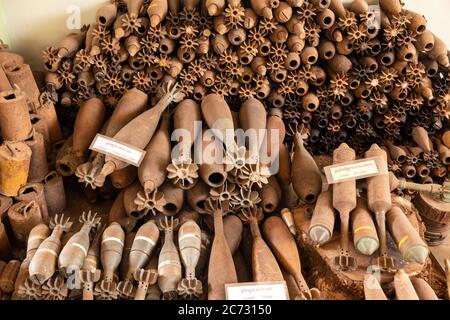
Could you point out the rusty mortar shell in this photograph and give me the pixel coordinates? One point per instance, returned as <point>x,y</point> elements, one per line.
<point>200,92</point>
<point>167,46</point>
<point>73,254</point>
<point>284,160</point>
<point>244,273</point>
<point>119,215</point>
<point>198,196</point>
<point>296,26</point>
<point>175,67</point>
<point>112,246</point>
<point>43,264</point>
<point>262,8</point>
<point>279,35</point>
<point>387,58</point>
<point>407,239</point>
<point>259,65</point>
<point>189,241</point>
<point>264,47</point>
<point>264,264</point>
<point>396,153</point>
<point>253,115</point>
<point>122,270</point>
<point>283,13</point>
<point>417,23</point>
<point>174,197</point>
<point>86,79</point>
<point>157,12</point>
<point>326,19</point>
<point>54,193</point>
<point>423,289</point>
<point>425,41</point>
<point>14,118</point>
<point>431,67</point>
<point>70,44</point>
<point>129,196</point>
<point>264,91</point>
<point>404,289</point>
<point>106,15</point>
<point>391,7</point>
<point>169,265</point>
<point>186,114</point>
<point>310,102</point>
<point>20,75</point>
<point>9,275</point>
<point>310,55</point>
<point>407,53</point>
<point>152,171</point>
<point>250,18</point>
<point>444,152</point>
<point>204,43</point>
<point>220,44</point>
<point>293,61</point>
<point>338,8</point>
<point>4,82</point>
<point>274,122</point>
<point>304,169</point>
<point>323,219</point>
<point>38,163</point>
<point>326,49</point>
<point>15,158</point>
<point>422,170</point>
<point>214,7</point>
<point>270,195</point>
<point>37,235</point>
<point>34,192</point>
<point>420,136</point>
<point>220,25</point>
<point>288,219</point>
<point>439,52</point>
<point>284,247</point>
<point>340,64</point>
<point>208,78</point>
<point>345,47</point>
<point>276,99</point>
<point>233,229</point>
<point>134,7</point>
<point>132,45</point>
<point>365,238</point>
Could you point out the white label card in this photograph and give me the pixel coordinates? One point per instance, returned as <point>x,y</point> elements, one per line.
<point>117,149</point>
<point>257,291</point>
<point>354,170</point>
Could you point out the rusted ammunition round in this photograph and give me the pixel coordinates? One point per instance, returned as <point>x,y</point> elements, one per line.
<point>423,289</point>
<point>270,195</point>
<point>309,55</point>
<point>408,241</point>
<point>340,64</point>
<point>174,197</point>
<point>9,275</point>
<point>220,43</point>
<point>144,242</point>
<point>322,222</point>
<point>106,15</point>
<point>288,218</point>
<point>404,289</point>
<point>417,24</point>
<point>310,102</point>
<point>325,18</point>
<point>157,12</point>
<point>233,229</point>
<point>345,47</point>
<point>292,61</point>
<point>295,43</point>
<point>425,41</point>
<point>264,48</point>
<point>262,8</point>
<point>14,118</point>
<point>70,44</point>
<point>283,13</point>
<point>15,158</point>
<point>365,236</point>
<point>279,35</point>
<point>439,52</point>
<point>112,245</point>
<point>208,78</point>
<point>259,65</point>
<point>237,36</point>
<point>197,196</point>
<point>326,49</point>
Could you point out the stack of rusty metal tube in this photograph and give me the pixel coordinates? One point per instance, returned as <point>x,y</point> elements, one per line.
<point>29,191</point>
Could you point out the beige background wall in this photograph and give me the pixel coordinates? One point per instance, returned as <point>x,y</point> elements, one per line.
<point>31,25</point>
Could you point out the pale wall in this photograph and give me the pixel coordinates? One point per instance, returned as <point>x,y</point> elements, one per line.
<point>31,25</point>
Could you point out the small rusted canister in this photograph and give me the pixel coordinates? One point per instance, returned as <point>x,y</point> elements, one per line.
<point>20,75</point>
<point>38,165</point>
<point>34,192</point>
<point>14,117</point>
<point>9,275</point>
<point>54,193</point>
<point>24,216</point>
<point>15,158</point>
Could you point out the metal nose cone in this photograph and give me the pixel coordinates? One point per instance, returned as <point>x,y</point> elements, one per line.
<point>417,254</point>
<point>367,246</point>
<point>319,235</point>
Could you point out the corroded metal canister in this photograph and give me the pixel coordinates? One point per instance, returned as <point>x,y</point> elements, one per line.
<point>20,75</point>
<point>54,193</point>
<point>15,158</point>
<point>408,241</point>
<point>34,192</point>
<point>14,117</point>
<point>47,113</point>
<point>38,165</point>
<point>23,217</point>
<point>5,245</point>
<point>9,275</point>
<point>322,222</point>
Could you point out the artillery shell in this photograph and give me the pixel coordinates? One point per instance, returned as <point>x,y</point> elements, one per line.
<point>365,236</point>
<point>322,222</point>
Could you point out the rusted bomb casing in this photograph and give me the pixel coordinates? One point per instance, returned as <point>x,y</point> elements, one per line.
<point>365,238</point>
<point>35,192</point>
<point>404,289</point>
<point>322,221</point>
<point>112,245</point>
<point>198,196</point>
<point>106,15</point>
<point>233,229</point>
<point>14,117</point>
<point>55,195</point>
<point>9,275</point>
<point>253,115</point>
<point>23,217</point>
<point>423,289</point>
<point>123,178</point>
<point>119,215</point>
<point>125,262</point>
<point>270,195</point>
<point>143,245</point>
<point>174,197</point>
<point>43,264</point>
<point>408,241</point>
<point>211,171</point>
<point>378,190</point>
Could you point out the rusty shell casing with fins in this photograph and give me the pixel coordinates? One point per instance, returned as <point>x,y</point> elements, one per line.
<point>36,192</point>
<point>9,275</point>
<point>21,75</point>
<point>244,273</point>
<point>169,266</point>
<point>197,196</point>
<point>92,261</point>
<point>344,193</point>
<point>43,264</point>
<point>407,239</point>
<point>423,289</point>
<point>211,171</point>
<point>157,12</point>
<point>187,112</point>
<point>323,219</point>
<point>38,165</point>
<point>284,247</point>
<point>144,243</point>
<point>306,177</point>
<point>123,178</point>
<point>129,196</point>
<point>152,171</point>
<point>119,215</point>
<point>70,44</point>
<point>365,237</point>
<point>23,217</point>
<point>113,240</point>
<point>439,52</point>
<point>124,264</point>
<point>106,15</point>
<point>37,235</point>
<point>390,7</point>
<point>189,242</point>
<point>174,197</point>
<point>284,163</point>
<point>404,289</point>
<point>233,229</point>
<point>14,117</point>
<point>204,255</point>
<point>221,268</point>
<point>270,195</point>
<point>420,136</point>
<point>214,7</point>
<point>217,114</point>
<point>48,114</point>
<point>54,193</point>
<point>378,188</point>
<point>253,115</point>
